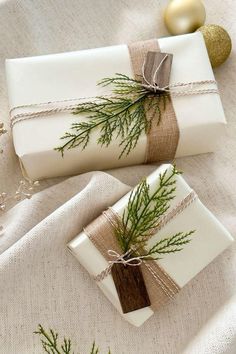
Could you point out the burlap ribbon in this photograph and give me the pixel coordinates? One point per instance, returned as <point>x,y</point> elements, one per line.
<point>161,287</point>
<point>162,140</point>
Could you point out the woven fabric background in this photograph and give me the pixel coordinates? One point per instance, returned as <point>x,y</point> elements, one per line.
<point>40,282</point>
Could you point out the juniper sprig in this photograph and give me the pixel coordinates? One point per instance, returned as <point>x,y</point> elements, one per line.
<point>142,215</point>
<point>51,345</point>
<point>122,115</point>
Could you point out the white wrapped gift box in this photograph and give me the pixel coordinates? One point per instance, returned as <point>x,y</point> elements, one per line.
<point>209,240</point>
<point>65,76</point>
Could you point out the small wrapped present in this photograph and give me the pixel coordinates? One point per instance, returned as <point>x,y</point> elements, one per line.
<point>156,100</point>
<point>152,242</point>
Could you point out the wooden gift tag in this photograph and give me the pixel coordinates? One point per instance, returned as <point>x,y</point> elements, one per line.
<point>130,287</point>
<point>153,60</point>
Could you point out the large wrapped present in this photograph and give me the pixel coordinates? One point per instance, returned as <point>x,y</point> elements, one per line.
<point>152,242</point>
<point>158,100</point>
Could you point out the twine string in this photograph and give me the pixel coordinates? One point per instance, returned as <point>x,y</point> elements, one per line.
<point>50,108</point>
<point>133,262</point>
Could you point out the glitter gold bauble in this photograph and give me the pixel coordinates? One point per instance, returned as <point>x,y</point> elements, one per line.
<point>218,43</point>
<point>184,16</point>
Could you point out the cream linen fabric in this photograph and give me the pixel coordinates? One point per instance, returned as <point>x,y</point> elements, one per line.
<point>40,282</point>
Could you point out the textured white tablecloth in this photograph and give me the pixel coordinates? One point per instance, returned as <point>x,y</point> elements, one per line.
<point>40,282</point>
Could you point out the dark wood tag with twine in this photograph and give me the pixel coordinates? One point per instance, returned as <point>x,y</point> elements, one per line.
<point>157,68</point>
<point>130,287</point>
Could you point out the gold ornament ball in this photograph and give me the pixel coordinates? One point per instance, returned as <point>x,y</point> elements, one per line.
<point>218,43</point>
<point>184,16</point>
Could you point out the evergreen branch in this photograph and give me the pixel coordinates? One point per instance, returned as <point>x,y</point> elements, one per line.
<point>143,214</point>
<point>66,346</point>
<point>48,340</point>
<point>170,244</point>
<point>123,115</point>
<point>94,350</point>
<point>144,209</point>
<point>51,346</point>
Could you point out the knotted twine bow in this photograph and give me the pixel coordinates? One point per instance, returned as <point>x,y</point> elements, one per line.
<point>121,259</point>
<point>162,139</point>
<point>160,285</point>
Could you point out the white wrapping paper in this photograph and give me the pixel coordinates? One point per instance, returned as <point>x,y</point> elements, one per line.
<point>75,74</point>
<point>208,241</point>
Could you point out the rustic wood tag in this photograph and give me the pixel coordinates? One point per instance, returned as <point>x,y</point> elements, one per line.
<point>153,60</point>
<point>130,287</point>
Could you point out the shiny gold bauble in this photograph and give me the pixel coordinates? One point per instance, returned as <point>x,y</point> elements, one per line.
<point>184,16</point>
<point>218,43</point>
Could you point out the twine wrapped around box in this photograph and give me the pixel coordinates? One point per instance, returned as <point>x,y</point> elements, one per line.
<point>154,68</point>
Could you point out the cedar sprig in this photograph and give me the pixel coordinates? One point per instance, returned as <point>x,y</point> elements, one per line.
<point>51,343</point>
<point>171,244</point>
<point>142,215</point>
<point>121,115</point>
<point>95,349</point>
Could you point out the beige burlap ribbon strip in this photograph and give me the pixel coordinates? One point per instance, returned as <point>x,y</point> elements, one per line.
<point>162,140</point>
<point>160,285</point>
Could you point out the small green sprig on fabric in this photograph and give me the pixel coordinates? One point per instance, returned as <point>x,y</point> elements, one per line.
<point>121,115</point>
<point>143,213</point>
<point>50,343</point>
